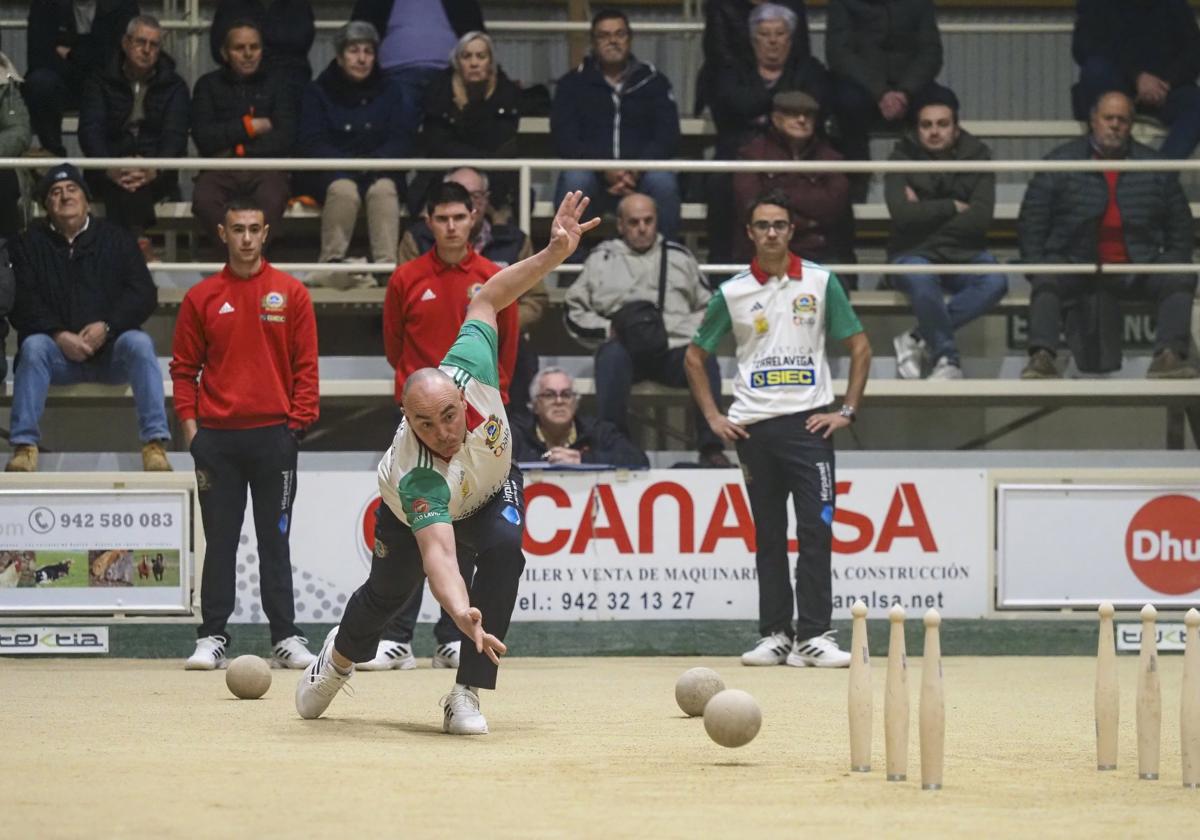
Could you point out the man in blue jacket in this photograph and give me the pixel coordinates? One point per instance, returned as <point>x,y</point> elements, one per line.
<point>1148,49</point>
<point>614,107</point>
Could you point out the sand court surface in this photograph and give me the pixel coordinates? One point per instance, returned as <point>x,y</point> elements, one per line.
<point>579,747</point>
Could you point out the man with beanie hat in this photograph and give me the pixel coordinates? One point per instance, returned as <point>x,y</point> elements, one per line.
<point>940,217</point>
<point>83,291</point>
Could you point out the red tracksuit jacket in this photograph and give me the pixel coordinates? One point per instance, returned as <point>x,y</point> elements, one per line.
<point>426,304</point>
<point>255,339</point>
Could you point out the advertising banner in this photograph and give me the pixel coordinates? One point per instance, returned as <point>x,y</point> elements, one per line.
<point>53,641</point>
<point>94,551</point>
<point>665,544</point>
<point>1072,545</point>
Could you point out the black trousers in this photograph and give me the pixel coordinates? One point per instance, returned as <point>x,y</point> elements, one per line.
<point>491,537</point>
<point>228,461</point>
<point>402,625</point>
<point>782,458</point>
<point>1088,308</point>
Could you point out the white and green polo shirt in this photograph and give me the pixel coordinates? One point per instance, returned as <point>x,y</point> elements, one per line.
<point>780,325</point>
<point>421,487</point>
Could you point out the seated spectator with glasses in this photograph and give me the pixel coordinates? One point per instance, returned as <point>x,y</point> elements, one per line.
<point>556,434</point>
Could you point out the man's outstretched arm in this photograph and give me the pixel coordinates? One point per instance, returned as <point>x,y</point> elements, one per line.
<point>510,283</point>
<point>438,556</point>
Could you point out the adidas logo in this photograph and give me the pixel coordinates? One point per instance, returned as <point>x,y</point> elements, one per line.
<point>429,295</point>
<point>757,307</point>
<point>225,308</point>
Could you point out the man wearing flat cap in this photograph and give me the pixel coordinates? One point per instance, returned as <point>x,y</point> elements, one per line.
<point>83,292</point>
<point>820,200</point>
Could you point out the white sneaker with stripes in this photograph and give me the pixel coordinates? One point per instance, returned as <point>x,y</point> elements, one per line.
<point>819,652</point>
<point>320,682</point>
<point>770,650</point>
<point>462,715</point>
<point>208,656</point>
<point>291,652</point>
<point>447,655</point>
<point>390,656</point>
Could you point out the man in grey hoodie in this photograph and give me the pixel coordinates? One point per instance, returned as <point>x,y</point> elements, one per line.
<point>629,270</point>
<point>940,217</point>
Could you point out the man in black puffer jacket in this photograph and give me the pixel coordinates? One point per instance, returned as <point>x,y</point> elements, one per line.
<point>137,107</point>
<point>83,293</point>
<point>241,110</point>
<point>1106,217</point>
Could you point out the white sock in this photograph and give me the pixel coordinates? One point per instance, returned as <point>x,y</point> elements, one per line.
<point>461,687</point>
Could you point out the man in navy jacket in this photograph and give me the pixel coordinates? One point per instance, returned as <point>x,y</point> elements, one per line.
<point>614,107</point>
<point>1148,49</point>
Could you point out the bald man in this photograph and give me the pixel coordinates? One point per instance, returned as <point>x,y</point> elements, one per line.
<point>449,487</point>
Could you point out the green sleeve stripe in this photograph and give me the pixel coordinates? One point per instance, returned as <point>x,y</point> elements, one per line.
<point>715,325</point>
<point>840,320</point>
<point>474,353</point>
<point>425,497</point>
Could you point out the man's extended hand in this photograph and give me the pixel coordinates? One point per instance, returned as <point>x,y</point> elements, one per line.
<point>1151,89</point>
<point>828,423</point>
<point>726,429</point>
<point>470,622</point>
<point>566,229</point>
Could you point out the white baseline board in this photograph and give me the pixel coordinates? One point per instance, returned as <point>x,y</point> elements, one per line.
<point>665,544</point>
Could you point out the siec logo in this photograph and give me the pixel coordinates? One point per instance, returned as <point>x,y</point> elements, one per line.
<point>1162,544</point>
<point>781,376</point>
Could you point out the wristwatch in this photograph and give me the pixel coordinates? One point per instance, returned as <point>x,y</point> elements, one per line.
<point>848,412</point>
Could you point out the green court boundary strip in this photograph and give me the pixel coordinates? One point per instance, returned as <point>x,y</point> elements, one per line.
<point>976,637</point>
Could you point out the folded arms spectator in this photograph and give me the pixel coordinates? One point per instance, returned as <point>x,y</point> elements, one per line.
<point>727,46</point>
<point>288,30</point>
<point>1106,217</point>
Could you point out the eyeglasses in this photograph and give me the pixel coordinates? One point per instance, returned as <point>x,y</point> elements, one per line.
<point>479,195</point>
<point>779,226</point>
<point>566,395</point>
<point>145,43</point>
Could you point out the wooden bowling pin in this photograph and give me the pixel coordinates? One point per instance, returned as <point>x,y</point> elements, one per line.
<point>860,700</point>
<point>1108,703</point>
<point>933,706</point>
<point>895,702</point>
<point>1189,706</point>
<point>1149,698</point>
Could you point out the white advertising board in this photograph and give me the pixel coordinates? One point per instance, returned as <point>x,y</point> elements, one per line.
<point>665,544</point>
<point>1072,545</point>
<point>94,551</point>
<point>53,641</point>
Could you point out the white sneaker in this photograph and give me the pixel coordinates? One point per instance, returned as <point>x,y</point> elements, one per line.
<point>446,656</point>
<point>208,656</point>
<point>462,715</point>
<point>910,355</point>
<point>292,652</point>
<point>820,652</point>
<point>389,656</point>
<point>320,682</point>
<point>770,650</point>
<point>946,369</point>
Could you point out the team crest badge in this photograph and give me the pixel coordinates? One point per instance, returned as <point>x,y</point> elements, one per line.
<point>804,309</point>
<point>420,506</point>
<point>274,302</point>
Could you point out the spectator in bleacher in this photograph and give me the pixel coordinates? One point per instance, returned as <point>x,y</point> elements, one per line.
<point>503,244</point>
<point>247,389</point>
<point>552,431</point>
<point>1106,217</point>
<point>1150,49</point>
<point>820,200</point>
<point>740,101</point>
<point>15,137</point>
<point>418,38</point>
<point>138,106</point>
<point>727,44</point>
<point>353,111</point>
<point>241,110</point>
<point>68,40</point>
<point>637,303</point>
<point>781,313</point>
<point>940,217</point>
<point>83,293</point>
<point>423,310</point>
<point>613,106</point>
<point>288,29</point>
<point>882,54</point>
<point>472,110</point>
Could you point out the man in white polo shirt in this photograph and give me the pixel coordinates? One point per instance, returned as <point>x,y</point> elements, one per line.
<point>780,311</point>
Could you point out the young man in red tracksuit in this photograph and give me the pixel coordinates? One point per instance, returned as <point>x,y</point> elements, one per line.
<point>246,390</point>
<point>425,306</point>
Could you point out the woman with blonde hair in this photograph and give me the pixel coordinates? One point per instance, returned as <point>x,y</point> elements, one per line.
<point>472,111</point>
